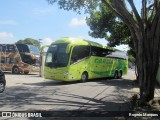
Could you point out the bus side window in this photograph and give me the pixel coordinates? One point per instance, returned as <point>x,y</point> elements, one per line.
<point>13,60</point>
<point>109,53</point>
<point>4,48</point>
<point>11,48</point>
<point>0,48</point>
<point>2,60</point>
<point>83,52</point>
<point>79,53</point>
<point>7,60</point>
<point>74,56</point>
<point>96,51</point>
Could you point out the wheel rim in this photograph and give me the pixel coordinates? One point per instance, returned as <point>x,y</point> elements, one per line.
<point>84,77</point>
<point>116,75</point>
<point>2,86</point>
<point>16,70</point>
<point>120,76</point>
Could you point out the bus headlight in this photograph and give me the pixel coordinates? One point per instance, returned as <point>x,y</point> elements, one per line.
<point>65,73</point>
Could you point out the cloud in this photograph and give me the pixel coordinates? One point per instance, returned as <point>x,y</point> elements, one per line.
<point>46,41</point>
<point>5,35</point>
<point>8,22</point>
<point>77,22</point>
<point>122,47</point>
<point>43,10</point>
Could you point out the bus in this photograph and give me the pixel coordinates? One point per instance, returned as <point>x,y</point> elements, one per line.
<point>19,58</point>
<point>70,59</point>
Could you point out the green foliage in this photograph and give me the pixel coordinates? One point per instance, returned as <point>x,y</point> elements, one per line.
<point>101,22</point>
<point>29,41</point>
<point>76,5</point>
<point>104,24</point>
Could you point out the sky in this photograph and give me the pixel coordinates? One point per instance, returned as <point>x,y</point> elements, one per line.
<point>20,19</point>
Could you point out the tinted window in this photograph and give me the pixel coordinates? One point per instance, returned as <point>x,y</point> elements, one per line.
<point>4,48</point>
<point>2,60</point>
<point>79,53</point>
<point>27,59</point>
<point>7,48</point>
<point>34,49</point>
<point>57,56</point>
<point>11,48</point>
<point>8,60</point>
<point>22,48</point>
<point>100,52</point>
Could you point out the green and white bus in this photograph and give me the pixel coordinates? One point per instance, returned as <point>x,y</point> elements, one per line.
<point>70,59</point>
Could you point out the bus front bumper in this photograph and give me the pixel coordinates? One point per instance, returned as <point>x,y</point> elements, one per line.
<point>56,74</point>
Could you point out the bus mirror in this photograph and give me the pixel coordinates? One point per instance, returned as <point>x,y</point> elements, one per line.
<point>68,48</point>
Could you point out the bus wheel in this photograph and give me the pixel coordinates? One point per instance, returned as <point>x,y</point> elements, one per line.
<point>84,77</point>
<point>26,73</point>
<point>15,70</point>
<point>120,75</point>
<point>116,74</point>
<point>2,87</point>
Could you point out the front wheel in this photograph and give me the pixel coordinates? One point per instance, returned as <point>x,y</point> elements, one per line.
<point>26,72</point>
<point>84,77</point>
<point>2,87</point>
<point>15,70</point>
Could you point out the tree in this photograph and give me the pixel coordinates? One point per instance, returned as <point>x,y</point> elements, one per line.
<point>29,41</point>
<point>144,32</point>
<point>104,23</point>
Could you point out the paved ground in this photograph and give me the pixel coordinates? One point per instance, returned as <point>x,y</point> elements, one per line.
<point>31,92</point>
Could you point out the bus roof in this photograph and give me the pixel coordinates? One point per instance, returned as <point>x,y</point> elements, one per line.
<point>77,41</point>
<point>80,41</point>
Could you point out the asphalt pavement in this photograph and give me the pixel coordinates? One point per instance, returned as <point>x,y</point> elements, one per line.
<point>95,98</point>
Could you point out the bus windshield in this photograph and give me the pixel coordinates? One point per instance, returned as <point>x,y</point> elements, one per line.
<point>27,59</point>
<point>57,56</point>
<point>26,52</point>
<point>22,48</point>
<point>33,49</point>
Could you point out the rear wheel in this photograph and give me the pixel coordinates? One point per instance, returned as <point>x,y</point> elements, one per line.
<point>120,75</point>
<point>84,77</point>
<point>15,70</point>
<point>26,73</point>
<point>116,74</point>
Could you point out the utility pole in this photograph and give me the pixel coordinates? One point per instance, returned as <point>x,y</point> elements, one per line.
<point>40,71</point>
